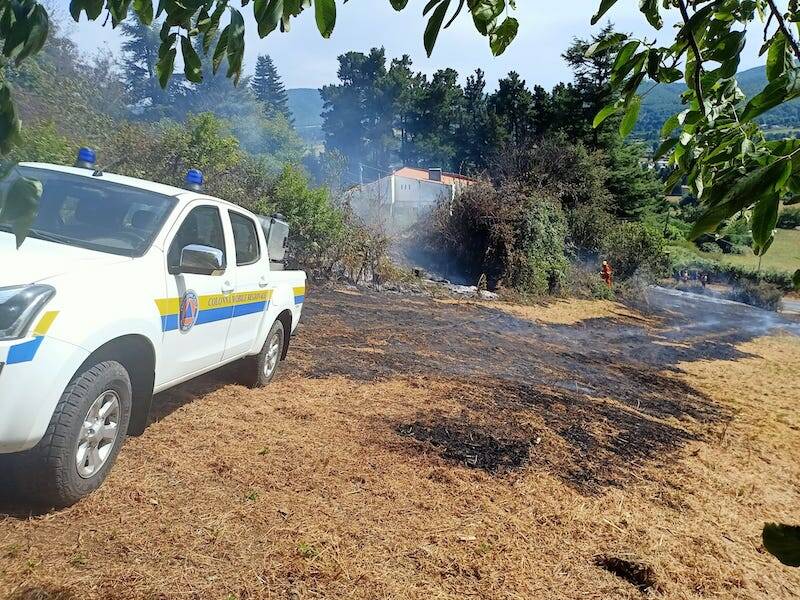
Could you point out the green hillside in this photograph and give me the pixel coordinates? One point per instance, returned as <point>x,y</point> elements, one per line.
<point>665,100</point>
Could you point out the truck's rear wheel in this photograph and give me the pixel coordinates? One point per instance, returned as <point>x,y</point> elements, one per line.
<point>258,371</point>
<point>82,441</point>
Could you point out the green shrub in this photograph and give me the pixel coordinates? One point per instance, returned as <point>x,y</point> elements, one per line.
<point>584,282</point>
<point>711,247</point>
<point>789,218</point>
<point>589,225</point>
<point>763,295</point>
<point>682,259</point>
<point>318,227</point>
<point>42,143</point>
<point>632,249</point>
<point>513,234</point>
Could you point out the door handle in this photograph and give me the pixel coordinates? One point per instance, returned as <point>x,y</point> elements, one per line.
<point>263,282</point>
<point>227,288</point>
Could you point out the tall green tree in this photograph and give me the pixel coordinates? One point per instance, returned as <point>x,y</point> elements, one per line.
<point>269,89</point>
<point>438,110</point>
<point>513,105</point>
<point>139,69</point>
<point>212,92</point>
<point>359,117</point>
<point>592,88</point>
<point>472,136</point>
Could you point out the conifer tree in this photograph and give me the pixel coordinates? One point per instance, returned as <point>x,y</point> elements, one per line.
<point>269,89</point>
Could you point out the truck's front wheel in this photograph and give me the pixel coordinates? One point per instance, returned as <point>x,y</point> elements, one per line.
<point>259,370</point>
<point>83,439</point>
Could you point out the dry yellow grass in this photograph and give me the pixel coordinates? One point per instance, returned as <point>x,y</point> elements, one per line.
<point>558,312</point>
<point>304,490</point>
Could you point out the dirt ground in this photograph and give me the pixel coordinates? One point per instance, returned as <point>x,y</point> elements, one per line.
<point>414,448</point>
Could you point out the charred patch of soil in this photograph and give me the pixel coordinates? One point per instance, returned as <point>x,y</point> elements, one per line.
<point>636,573</point>
<point>465,444</point>
<point>606,391</point>
<point>588,443</point>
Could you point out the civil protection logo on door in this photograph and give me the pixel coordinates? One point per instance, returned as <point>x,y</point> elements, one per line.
<point>190,309</point>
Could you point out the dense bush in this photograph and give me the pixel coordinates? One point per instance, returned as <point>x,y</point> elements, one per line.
<point>589,225</point>
<point>512,234</point>
<point>633,249</point>
<point>317,226</point>
<point>711,247</point>
<point>763,295</point>
<point>789,218</point>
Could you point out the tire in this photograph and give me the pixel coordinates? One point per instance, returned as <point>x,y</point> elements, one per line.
<point>49,475</point>
<point>257,371</point>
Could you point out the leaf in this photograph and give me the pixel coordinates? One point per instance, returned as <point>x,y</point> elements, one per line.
<point>778,58</point>
<point>21,206</point>
<point>93,8</point>
<point>796,279</point>
<point>765,218</point>
<point>665,147</point>
<point>192,67</point>
<point>604,6</point>
<point>268,15</point>
<point>435,26</point>
<point>751,188</point>
<point>631,115</point>
<point>325,13</point>
<point>603,114</point>
<point>501,38</point>
<point>165,65</point>
<point>221,51</point>
<point>650,10</point>
<point>144,10</point>
<point>670,125</point>
<point>779,90</point>
<point>485,13</point>
<point>38,25</point>
<point>235,45</point>
<point>10,124</point>
<point>606,43</point>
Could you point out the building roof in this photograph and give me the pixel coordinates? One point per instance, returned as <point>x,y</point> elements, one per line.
<point>424,175</point>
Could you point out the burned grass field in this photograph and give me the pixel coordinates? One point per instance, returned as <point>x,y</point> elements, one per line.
<point>414,448</point>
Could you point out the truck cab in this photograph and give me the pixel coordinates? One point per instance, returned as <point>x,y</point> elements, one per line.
<point>124,288</point>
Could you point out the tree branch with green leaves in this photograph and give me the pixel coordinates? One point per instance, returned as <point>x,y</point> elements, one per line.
<point>715,142</point>
<point>24,26</point>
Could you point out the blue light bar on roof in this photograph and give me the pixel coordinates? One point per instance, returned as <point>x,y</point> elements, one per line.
<point>195,179</point>
<point>86,158</point>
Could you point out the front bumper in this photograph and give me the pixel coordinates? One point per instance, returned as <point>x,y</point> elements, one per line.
<point>33,375</point>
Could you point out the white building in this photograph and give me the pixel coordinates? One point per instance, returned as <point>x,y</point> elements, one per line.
<point>402,198</point>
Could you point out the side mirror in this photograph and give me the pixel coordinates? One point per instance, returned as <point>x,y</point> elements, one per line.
<point>202,260</point>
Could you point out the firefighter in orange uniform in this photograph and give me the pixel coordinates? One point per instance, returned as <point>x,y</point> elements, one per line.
<point>607,273</point>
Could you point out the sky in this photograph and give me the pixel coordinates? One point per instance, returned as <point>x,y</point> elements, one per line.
<point>305,59</point>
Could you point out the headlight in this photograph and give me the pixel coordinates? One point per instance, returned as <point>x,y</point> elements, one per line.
<point>19,306</point>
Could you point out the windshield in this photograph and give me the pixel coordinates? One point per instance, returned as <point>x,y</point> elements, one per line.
<point>93,213</point>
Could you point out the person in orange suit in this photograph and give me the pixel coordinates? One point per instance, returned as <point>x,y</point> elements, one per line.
<point>607,273</point>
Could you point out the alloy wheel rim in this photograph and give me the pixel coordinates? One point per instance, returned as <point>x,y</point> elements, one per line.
<point>98,434</point>
<point>273,354</point>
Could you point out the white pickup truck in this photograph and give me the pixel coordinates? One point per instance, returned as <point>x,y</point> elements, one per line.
<point>124,288</point>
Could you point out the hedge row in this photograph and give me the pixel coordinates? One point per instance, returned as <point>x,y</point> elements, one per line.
<point>684,260</point>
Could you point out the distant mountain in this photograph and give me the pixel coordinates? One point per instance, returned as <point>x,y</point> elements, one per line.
<point>665,100</point>
<point>306,106</point>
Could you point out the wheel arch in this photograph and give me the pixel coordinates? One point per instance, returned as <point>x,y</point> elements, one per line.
<point>286,319</point>
<point>137,354</point>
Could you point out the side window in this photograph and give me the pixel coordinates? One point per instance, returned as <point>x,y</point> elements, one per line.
<point>245,237</point>
<point>203,226</point>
